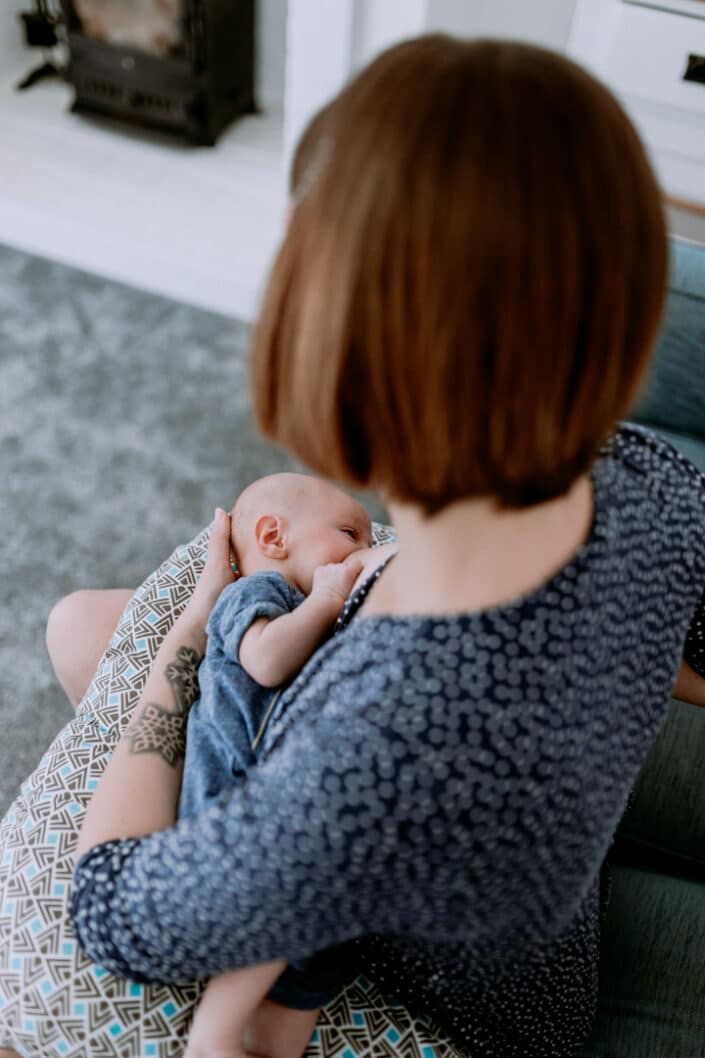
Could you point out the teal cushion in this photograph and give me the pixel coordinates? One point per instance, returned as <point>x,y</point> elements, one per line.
<point>675,389</point>
<point>667,814</point>
<point>651,995</point>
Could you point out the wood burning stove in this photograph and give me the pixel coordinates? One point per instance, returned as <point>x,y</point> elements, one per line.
<point>186,66</point>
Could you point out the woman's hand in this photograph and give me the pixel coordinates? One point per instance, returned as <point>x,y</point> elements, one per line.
<point>217,572</point>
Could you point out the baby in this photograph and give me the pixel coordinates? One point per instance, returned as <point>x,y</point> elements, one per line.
<point>300,544</point>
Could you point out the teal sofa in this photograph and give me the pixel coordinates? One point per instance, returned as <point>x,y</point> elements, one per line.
<point>652,972</point>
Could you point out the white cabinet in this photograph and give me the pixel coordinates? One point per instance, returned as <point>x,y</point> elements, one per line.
<point>643,49</point>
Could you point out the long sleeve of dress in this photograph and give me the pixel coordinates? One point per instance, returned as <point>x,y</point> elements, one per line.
<point>345,829</point>
<point>316,845</point>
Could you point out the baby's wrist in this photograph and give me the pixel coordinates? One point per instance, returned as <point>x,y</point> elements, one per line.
<point>327,600</point>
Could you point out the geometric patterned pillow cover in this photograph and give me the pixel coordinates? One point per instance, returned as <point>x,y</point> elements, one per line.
<point>55,1003</point>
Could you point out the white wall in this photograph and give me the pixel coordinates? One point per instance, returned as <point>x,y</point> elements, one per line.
<point>12,35</point>
<point>271,52</point>
<point>379,25</point>
<point>328,40</point>
<point>319,44</point>
<point>545,22</point>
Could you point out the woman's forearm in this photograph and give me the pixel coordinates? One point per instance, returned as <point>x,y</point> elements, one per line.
<point>139,790</point>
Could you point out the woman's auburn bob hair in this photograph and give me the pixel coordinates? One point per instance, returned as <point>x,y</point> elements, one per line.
<point>471,283</point>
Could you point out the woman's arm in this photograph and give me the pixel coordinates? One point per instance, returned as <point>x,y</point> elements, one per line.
<point>354,822</point>
<point>138,792</point>
<point>689,686</point>
<point>309,850</point>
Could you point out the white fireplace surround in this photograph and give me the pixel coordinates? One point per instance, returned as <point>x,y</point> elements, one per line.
<point>202,224</point>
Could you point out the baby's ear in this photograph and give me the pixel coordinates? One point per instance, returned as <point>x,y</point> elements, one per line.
<point>270,536</point>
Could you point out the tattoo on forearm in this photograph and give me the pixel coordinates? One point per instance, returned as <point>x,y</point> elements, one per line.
<point>158,730</point>
<point>182,674</point>
<point>163,731</point>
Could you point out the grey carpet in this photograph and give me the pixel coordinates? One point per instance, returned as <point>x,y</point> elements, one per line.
<point>124,420</point>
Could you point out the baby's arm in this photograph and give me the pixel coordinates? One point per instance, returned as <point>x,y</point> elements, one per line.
<point>233,1020</point>
<point>271,651</point>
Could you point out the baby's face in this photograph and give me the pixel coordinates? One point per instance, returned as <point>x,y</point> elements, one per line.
<point>335,526</point>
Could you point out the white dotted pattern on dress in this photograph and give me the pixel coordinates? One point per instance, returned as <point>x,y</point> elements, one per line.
<point>442,789</point>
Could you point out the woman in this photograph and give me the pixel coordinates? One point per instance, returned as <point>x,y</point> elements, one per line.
<point>462,309</point>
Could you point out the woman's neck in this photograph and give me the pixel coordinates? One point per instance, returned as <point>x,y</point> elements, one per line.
<point>472,555</point>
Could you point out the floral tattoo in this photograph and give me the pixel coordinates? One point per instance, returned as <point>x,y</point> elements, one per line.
<point>182,674</point>
<point>163,731</point>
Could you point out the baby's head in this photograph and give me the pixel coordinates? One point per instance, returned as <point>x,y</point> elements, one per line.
<point>292,523</point>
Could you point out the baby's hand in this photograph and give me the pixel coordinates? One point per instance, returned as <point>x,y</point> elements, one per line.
<point>335,580</point>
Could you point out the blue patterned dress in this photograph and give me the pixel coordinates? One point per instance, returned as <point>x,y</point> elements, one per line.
<point>437,794</point>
